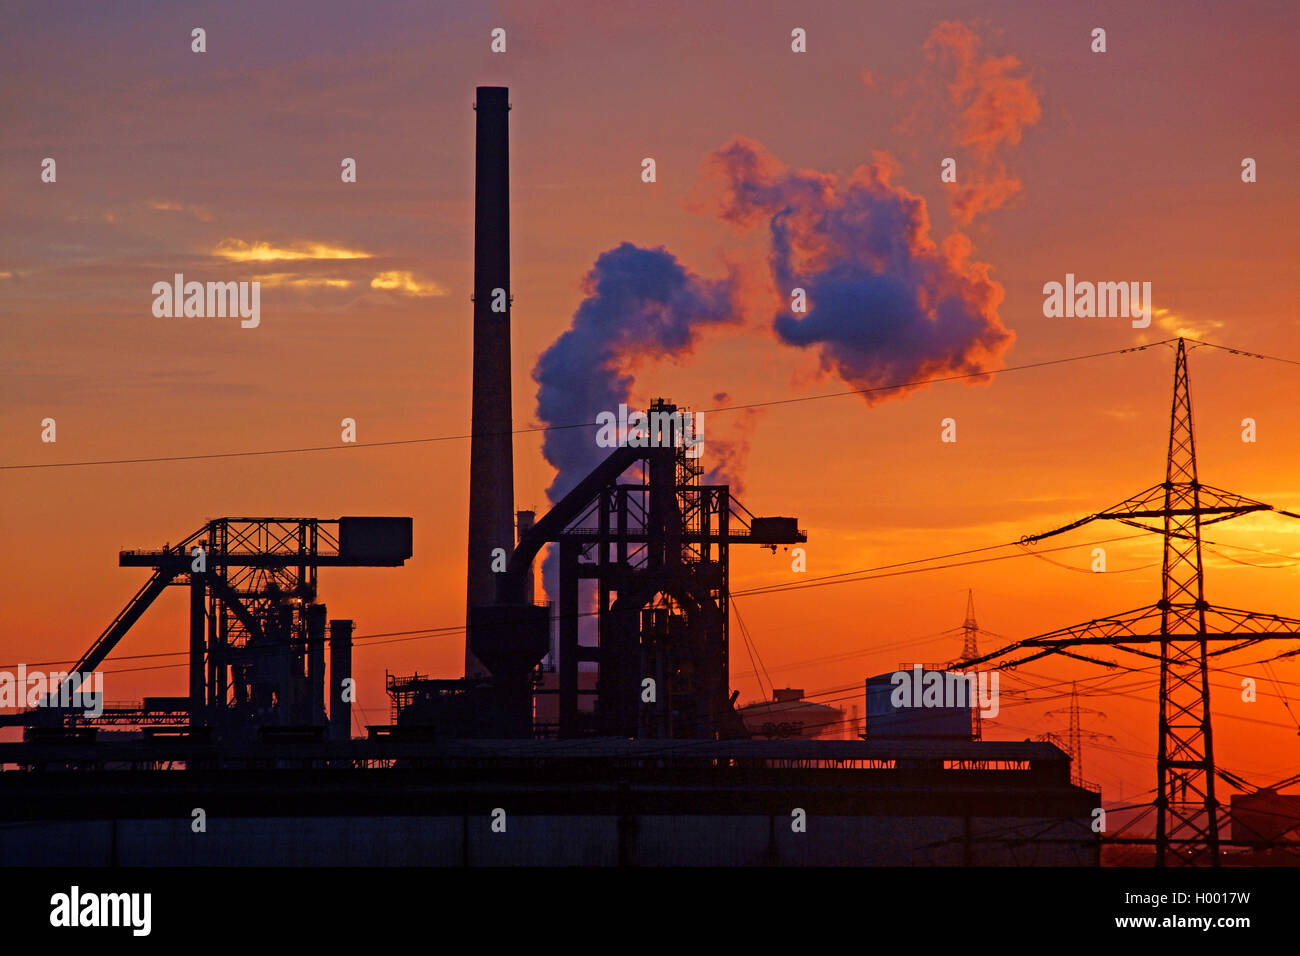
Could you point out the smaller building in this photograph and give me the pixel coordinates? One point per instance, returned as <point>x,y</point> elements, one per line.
<point>788,715</point>
<point>1265,816</point>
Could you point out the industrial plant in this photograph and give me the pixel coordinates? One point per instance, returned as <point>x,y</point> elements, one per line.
<point>600,728</point>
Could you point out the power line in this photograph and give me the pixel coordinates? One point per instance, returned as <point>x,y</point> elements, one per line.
<point>1199,343</point>
<point>453,630</point>
<point>422,633</point>
<point>548,428</point>
<point>869,575</point>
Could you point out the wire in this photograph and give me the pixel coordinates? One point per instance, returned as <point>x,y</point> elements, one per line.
<point>1070,567</point>
<point>550,428</point>
<point>455,630</point>
<point>865,576</point>
<point>898,564</point>
<point>750,650</point>
<point>744,630</point>
<point>1250,564</point>
<point>423,633</point>
<point>1272,675</point>
<point>1199,343</point>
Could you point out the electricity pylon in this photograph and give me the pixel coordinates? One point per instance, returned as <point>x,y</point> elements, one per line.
<point>1183,624</point>
<point>970,630</point>
<point>1075,733</point>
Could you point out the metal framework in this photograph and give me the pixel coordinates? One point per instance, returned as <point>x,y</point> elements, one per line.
<point>657,547</point>
<point>257,639</point>
<point>1072,742</point>
<point>970,630</point>
<point>1183,625</point>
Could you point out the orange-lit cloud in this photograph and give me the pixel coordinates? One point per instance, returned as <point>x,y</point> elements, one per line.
<point>396,281</point>
<point>995,104</point>
<point>237,250</point>
<point>298,281</point>
<point>1183,326</point>
<point>200,213</point>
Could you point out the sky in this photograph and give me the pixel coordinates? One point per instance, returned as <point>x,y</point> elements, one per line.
<point>771,167</point>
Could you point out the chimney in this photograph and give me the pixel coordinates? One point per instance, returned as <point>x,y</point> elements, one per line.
<point>491,454</point>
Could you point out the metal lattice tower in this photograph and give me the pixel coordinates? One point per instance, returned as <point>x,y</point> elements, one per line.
<point>1075,733</point>
<point>1183,624</point>
<point>969,650</point>
<point>970,630</point>
<point>1185,753</point>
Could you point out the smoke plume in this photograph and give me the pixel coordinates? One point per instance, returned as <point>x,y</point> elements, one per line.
<point>885,302</point>
<point>641,303</point>
<point>725,458</point>
<point>994,103</point>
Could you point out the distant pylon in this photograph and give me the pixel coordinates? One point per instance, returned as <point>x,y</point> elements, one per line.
<point>1076,745</point>
<point>970,630</point>
<point>1075,733</point>
<point>969,651</point>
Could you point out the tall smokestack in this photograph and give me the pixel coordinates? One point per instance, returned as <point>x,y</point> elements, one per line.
<point>491,454</point>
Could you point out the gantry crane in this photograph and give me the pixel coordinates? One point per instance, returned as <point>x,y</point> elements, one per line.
<point>256,635</point>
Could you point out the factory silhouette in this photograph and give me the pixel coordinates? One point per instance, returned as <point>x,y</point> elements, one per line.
<point>626,748</point>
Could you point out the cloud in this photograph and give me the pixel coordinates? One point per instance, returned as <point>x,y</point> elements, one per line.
<point>406,282</point>
<point>298,281</point>
<point>886,302</point>
<point>995,103</point>
<point>237,250</point>
<point>200,213</point>
<point>1184,327</point>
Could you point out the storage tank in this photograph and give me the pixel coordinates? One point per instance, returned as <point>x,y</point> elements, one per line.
<point>919,702</point>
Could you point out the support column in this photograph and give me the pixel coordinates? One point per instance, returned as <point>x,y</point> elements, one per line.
<point>316,664</point>
<point>568,614</point>
<point>198,625</point>
<point>340,710</point>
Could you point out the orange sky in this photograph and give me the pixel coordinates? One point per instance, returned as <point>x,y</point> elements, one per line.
<point>168,159</point>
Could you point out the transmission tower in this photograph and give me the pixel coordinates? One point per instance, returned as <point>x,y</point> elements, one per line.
<point>970,630</point>
<point>1075,733</point>
<point>1183,624</point>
